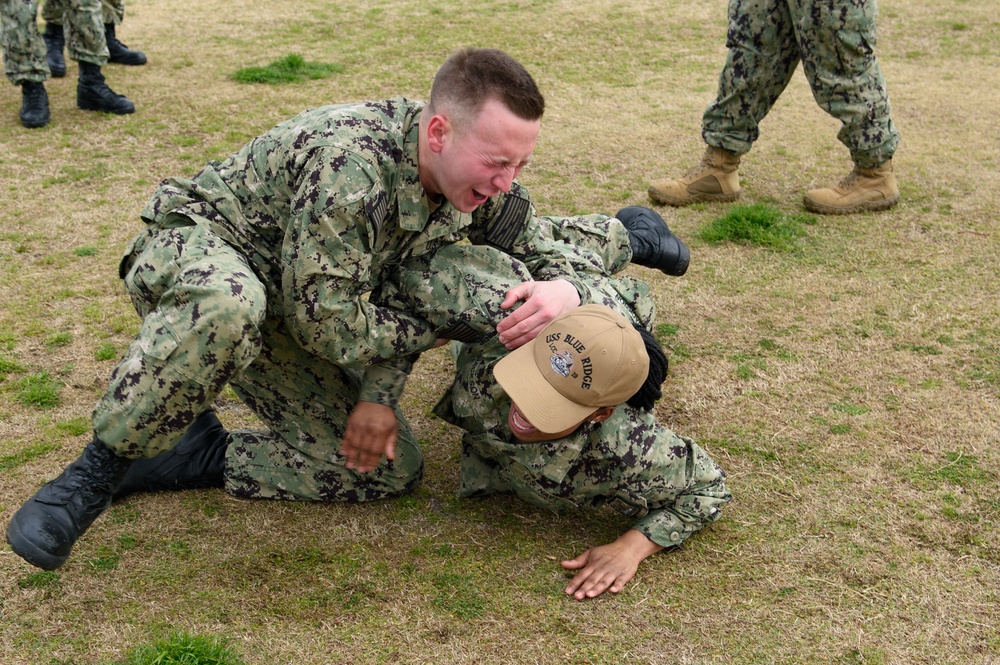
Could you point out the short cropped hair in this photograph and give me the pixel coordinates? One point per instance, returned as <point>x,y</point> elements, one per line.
<point>472,76</point>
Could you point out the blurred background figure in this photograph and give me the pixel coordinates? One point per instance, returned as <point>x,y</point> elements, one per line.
<point>24,56</point>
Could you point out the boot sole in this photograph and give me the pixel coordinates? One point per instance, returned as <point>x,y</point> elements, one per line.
<point>34,125</point>
<point>91,106</point>
<point>27,550</point>
<point>697,198</point>
<point>871,206</point>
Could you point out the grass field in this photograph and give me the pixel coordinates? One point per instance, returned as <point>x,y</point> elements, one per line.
<point>849,384</point>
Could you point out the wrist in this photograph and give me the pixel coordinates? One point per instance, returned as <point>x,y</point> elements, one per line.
<point>638,544</point>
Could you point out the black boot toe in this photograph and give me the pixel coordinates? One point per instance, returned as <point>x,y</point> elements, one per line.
<point>44,529</point>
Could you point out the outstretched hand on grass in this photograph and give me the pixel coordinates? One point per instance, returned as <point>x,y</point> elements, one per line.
<point>609,567</point>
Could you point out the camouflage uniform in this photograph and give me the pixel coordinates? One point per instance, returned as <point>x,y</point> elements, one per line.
<point>666,482</point>
<point>112,11</point>
<point>24,49</point>
<point>267,270</point>
<point>835,40</point>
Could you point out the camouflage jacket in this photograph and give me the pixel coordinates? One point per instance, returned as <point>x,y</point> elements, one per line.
<point>666,482</point>
<point>324,207</point>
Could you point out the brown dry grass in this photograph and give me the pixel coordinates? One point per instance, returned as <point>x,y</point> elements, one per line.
<point>850,388</point>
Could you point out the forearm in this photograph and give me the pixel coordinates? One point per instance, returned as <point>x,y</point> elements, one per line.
<point>354,332</point>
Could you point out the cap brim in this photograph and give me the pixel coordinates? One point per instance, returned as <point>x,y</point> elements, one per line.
<point>544,406</point>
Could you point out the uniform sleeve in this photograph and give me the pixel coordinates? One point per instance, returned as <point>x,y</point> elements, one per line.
<point>676,514</point>
<point>672,481</point>
<point>384,383</point>
<point>328,267</point>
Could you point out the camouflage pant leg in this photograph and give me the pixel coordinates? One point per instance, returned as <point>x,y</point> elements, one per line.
<point>83,24</point>
<point>762,56</point>
<point>838,57</point>
<point>835,40</point>
<point>604,238</point>
<point>479,475</point>
<point>459,288</point>
<point>23,47</point>
<point>201,307</point>
<point>112,11</point>
<point>52,11</point>
<point>305,401</point>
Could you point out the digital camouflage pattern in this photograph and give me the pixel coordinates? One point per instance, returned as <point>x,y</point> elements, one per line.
<point>835,41</point>
<point>667,483</point>
<point>112,11</point>
<point>24,48</point>
<point>271,271</point>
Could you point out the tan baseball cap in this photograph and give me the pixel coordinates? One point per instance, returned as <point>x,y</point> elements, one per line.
<point>588,358</point>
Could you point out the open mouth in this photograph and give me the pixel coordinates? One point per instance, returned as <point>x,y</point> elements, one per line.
<point>519,424</point>
<point>479,197</point>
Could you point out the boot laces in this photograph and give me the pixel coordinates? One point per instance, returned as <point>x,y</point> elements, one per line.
<point>706,165</point>
<point>34,95</point>
<point>851,178</point>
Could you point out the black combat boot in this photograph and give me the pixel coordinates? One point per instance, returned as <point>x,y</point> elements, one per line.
<point>653,244</point>
<point>93,94</point>
<point>198,460</point>
<point>55,41</point>
<point>121,54</point>
<point>43,530</point>
<point>34,104</point>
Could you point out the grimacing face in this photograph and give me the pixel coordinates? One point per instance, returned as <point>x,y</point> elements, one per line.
<point>479,158</point>
<point>525,432</point>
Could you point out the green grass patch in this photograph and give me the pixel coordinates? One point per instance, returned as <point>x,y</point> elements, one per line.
<point>39,390</point>
<point>15,460</point>
<point>74,426</point>
<point>96,171</point>
<point>962,469</point>
<point>290,69</point>
<point>184,649</point>
<point>43,579</point>
<point>757,224</point>
<point>665,330</point>
<point>85,251</point>
<point>849,408</point>
<point>59,339</point>
<point>458,595</point>
<point>8,366</point>
<point>106,351</point>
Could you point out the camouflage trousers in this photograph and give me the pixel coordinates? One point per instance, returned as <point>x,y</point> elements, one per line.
<point>835,41</point>
<point>24,48</point>
<point>112,11</point>
<point>205,324</point>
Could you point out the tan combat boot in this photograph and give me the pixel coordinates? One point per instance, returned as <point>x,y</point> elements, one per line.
<point>861,190</point>
<point>715,179</point>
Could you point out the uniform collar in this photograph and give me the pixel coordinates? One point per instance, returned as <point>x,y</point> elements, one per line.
<point>414,208</point>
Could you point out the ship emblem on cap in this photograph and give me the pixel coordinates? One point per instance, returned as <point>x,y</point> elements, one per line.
<point>562,362</point>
